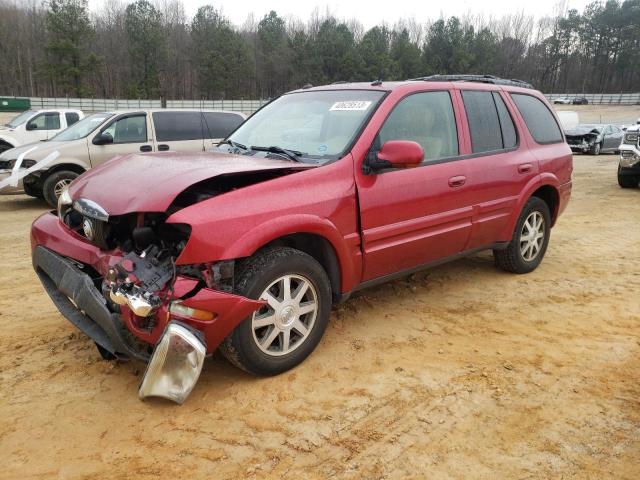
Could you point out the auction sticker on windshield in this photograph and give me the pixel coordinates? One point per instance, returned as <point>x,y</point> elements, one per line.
<point>351,106</point>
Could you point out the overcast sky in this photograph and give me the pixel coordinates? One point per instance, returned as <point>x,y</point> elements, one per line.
<point>372,13</point>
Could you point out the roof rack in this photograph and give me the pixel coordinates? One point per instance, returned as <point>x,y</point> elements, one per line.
<point>474,78</point>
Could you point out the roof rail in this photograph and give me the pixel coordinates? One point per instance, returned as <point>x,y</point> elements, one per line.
<point>474,78</point>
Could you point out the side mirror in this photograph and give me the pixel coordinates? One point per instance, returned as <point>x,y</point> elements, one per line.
<point>31,126</point>
<point>397,154</point>
<point>103,138</point>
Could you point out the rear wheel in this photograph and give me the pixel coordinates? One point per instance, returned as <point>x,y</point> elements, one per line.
<point>530,239</point>
<point>54,185</point>
<point>281,334</point>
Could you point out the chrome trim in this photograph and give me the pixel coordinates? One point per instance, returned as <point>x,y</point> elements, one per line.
<point>91,209</point>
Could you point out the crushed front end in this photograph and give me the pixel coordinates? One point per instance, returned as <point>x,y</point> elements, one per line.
<point>116,279</point>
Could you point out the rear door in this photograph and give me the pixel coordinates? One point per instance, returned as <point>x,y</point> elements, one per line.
<point>179,131</point>
<point>411,217</point>
<point>219,125</point>
<point>130,134</point>
<point>500,165</point>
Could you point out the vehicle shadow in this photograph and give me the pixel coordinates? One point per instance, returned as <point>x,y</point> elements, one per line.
<point>13,203</point>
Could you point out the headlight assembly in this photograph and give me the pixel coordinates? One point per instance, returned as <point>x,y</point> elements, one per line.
<point>64,203</point>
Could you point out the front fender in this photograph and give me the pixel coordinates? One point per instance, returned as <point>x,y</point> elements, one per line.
<point>4,138</point>
<point>346,248</point>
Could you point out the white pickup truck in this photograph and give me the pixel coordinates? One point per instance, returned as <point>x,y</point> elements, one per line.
<point>36,125</point>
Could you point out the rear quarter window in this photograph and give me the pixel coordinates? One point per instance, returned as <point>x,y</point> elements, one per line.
<point>540,121</point>
<point>71,118</point>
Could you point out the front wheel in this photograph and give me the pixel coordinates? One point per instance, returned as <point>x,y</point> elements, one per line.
<point>595,149</point>
<point>626,181</point>
<point>55,184</point>
<point>530,239</point>
<point>282,333</point>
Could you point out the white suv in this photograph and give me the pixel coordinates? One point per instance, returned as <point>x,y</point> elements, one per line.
<point>36,125</point>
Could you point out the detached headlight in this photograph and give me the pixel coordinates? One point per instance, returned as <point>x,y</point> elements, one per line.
<point>64,203</point>
<point>175,365</point>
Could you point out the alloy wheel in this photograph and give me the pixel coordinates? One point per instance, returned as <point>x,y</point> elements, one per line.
<point>286,321</point>
<point>60,186</point>
<point>532,236</point>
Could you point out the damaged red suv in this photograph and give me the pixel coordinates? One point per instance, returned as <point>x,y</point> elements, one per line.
<point>166,257</point>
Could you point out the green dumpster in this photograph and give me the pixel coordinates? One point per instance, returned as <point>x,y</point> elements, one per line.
<point>13,104</point>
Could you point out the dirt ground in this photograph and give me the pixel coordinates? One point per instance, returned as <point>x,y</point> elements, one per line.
<point>458,373</point>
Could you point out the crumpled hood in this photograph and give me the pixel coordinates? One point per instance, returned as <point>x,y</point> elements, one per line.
<point>578,131</point>
<point>42,149</point>
<point>150,182</point>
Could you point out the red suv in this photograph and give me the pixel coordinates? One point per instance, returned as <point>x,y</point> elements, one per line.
<point>325,191</point>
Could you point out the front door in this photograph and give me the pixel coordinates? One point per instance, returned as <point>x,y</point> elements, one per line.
<point>130,133</point>
<point>416,216</point>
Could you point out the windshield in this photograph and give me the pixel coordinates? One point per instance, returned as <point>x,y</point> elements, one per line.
<point>20,119</point>
<point>82,128</point>
<point>320,125</point>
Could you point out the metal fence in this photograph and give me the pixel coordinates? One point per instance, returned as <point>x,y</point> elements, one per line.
<point>106,104</point>
<point>601,98</point>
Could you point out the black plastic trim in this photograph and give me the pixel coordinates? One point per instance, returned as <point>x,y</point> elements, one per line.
<point>74,294</point>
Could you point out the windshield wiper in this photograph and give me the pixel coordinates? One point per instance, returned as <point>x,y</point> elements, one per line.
<point>233,144</point>
<point>290,154</point>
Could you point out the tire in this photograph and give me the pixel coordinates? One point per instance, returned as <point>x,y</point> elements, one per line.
<point>516,260</point>
<point>258,344</point>
<point>626,181</point>
<point>595,149</point>
<point>51,187</point>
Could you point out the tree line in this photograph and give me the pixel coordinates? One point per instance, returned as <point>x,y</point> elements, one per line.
<point>151,49</point>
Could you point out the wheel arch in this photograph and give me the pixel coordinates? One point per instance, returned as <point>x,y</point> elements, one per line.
<point>551,196</point>
<point>320,249</point>
<point>73,167</point>
<point>546,188</point>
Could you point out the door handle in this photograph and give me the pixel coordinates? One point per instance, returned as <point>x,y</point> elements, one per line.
<point>525,168</point>
<point>145,148</point>
<point>163,148</point>
<point>457,181</point>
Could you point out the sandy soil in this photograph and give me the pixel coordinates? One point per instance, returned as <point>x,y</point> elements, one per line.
<point>462,372</point>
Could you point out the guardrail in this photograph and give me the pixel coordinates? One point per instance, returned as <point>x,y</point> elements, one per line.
<point>106,104</point>
<point>600,98</point>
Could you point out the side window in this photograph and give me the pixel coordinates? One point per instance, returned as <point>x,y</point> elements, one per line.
<point>426,118</point>
<point>129,129</point>
<point>484,124</point>
<point>220,124</point>
<point>39,122</point>
<point>176,126</point>
<point>71,118</point>
<point>541,123</point>
<point>52,121</point>
<point>509,136</point>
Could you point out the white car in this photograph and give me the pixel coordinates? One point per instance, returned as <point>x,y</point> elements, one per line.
<point>44,169</point>
<point>562,100</point>
<point>36,125</point>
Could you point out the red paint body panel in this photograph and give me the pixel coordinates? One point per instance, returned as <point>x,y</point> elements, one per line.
<point>376,224</point>
<point>150,182</point>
